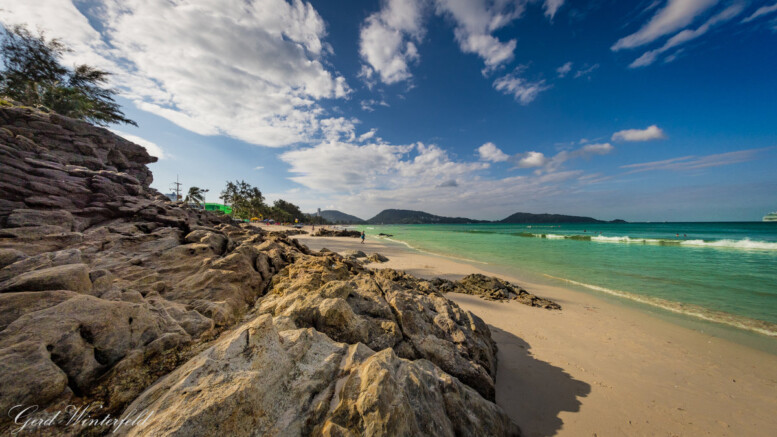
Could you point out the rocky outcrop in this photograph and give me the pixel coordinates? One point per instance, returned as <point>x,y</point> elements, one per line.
<point>377,258</point>
<point>110,293</point>
<point>384,309</point>
<point>265,380</point>
<point>492,288</point>
<point>323,232</point>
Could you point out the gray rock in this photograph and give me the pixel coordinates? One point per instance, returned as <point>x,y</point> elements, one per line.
<point>73,277</point>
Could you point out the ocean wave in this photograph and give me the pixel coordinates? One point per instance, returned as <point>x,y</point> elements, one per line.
<point>743,244</point>
<point>696,311</point>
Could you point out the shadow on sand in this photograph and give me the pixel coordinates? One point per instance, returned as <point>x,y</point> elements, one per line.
<point>533,392</point>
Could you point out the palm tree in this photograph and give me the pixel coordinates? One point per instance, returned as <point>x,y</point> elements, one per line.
<point>195,195</point>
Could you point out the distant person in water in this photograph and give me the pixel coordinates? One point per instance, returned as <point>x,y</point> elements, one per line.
<point>362,237</point>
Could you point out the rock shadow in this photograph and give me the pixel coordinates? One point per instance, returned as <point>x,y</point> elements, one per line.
<point>533,392</point>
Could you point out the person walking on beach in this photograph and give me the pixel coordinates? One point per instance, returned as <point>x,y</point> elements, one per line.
<point>362,237</point>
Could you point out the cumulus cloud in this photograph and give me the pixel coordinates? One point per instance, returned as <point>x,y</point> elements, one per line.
<point>674,16</point>
<point>201,64</point>
<point>531,159</point>
<point>551,6</point>
<point>475,22</point>
<point>490,152</point>
<point>522,90</point>
<point>346,167</point>
<point>388,38</point>
<point>564,69</point>
<point>648,134</point>
<point>687,35</point>
<point>152,148</point>
<point>763,10</point>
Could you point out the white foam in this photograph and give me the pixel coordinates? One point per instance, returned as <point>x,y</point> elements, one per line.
<point>733,244</point>
<point>740,322</point>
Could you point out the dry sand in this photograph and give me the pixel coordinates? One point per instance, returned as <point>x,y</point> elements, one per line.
<point>596,368</point>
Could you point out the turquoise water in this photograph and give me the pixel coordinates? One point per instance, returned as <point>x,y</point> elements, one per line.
<point>724,273</point>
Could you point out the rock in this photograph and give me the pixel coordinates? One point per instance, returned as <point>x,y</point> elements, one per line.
<point>493,288</point>
<point>384,309</point>
<point>355,254</point>
<point>377,258</point>
<point>73,277</point>
<point>258,381</point>
<point>31,217</point>
<point>10,256</point>
<point>322,232</point>
<point>108,288</point>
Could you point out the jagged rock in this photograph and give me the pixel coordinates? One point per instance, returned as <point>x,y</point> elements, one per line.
<point>322,232</point>
<point>355,254</point>
<point>493,288</point>
<point>385,309</point>
<point>377,258</point>
<point>258,381</point>
<point>108,287</point>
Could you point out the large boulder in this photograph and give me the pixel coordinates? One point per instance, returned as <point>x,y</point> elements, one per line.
<point>259,381</point>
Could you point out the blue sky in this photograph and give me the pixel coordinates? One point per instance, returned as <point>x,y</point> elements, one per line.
<point>641,110</point>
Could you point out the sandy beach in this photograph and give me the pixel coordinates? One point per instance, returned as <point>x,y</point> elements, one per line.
<point>596,368</point>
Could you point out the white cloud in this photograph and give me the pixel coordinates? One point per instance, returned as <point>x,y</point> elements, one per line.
<point>685,163</point>
<point>152,148</point>
<point>388,38</point>
<point>586,71</point>
<point>524,91</point>
<point>367,135</point>
<point>202,64</point>
<point>687,35</point>
<point>564,69</point>
<point>259,167</point>
<point>672,17</point>
<point>489,152</point>
<point>369,104</point>
<point>532,159</point>
<point>551,6</point>
<point>763,10</point>
<point>648,134</point>
<point>346,167</point>
<point>476,21</point>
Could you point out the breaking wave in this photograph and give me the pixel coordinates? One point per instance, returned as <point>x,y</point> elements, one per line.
<point>743,244</point>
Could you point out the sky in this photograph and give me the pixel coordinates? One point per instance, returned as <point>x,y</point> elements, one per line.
<point>654,110</point>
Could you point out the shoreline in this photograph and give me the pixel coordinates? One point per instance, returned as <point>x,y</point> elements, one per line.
<point>601,367</point>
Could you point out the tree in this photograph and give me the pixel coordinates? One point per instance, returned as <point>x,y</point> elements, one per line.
<point>195,195</point>
<point>32,75</point>
<point>246,201</point>
<point>284,211</point>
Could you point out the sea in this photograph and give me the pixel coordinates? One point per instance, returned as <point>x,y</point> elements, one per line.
<point>718,277</point>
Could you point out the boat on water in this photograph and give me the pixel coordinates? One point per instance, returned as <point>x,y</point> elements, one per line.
<point>771,217</point>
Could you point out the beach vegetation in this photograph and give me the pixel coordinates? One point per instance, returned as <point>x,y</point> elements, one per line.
<point>247,203</point>
<point>195,195</point>
<point>33,75</point>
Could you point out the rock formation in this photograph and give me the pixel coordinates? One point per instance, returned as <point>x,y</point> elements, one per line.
<point>323,232</point>
<point>110,293</point>
<point>492,288</point>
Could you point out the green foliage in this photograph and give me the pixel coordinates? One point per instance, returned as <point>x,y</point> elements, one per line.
<point>32,75</point>
<point>247,202</point>
<point>195,195</point>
